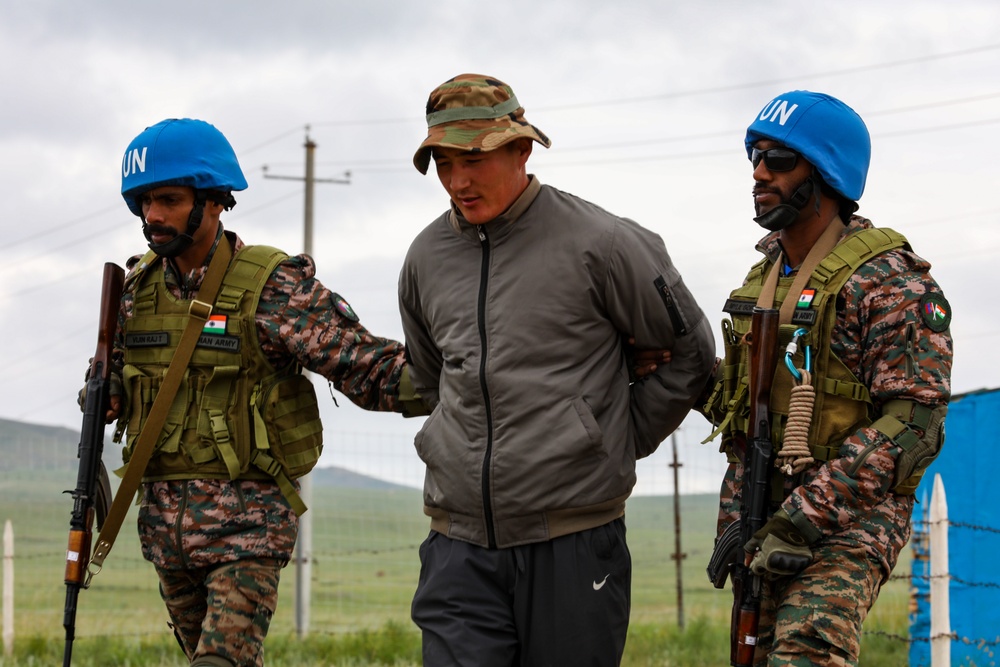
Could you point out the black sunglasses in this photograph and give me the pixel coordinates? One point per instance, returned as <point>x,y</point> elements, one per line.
<point>775,159</point>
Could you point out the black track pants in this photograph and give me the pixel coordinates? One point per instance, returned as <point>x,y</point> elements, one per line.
<point>559,603</point>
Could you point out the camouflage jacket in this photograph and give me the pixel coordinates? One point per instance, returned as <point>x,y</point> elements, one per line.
<point>848,500</point>
<point>198,522</point>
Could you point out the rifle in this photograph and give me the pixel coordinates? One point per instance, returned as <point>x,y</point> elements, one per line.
<point>755,490</point>
<point>92,492</point>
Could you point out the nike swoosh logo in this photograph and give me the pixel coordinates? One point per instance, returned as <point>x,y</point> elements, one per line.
<point>599,586</point>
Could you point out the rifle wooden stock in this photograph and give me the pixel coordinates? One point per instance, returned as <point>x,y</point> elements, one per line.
<point>754,493</point>
<point>91,448</point>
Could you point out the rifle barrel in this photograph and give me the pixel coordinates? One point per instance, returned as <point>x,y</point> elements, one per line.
<point>755,489</point>
<point>90,450</point>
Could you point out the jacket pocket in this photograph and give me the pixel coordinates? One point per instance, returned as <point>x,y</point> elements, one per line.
<point>420,438</point>
<point>594,434</point>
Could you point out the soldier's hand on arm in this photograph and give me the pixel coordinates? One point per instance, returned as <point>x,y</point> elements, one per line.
<point>643,362</point>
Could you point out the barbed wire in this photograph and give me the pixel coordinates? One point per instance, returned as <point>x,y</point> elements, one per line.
<point>952,577</point>
<point>922,526</point>
<point>978,643</point>
<point>972,526</point>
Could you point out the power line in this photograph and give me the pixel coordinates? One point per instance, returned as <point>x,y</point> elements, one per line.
<point>373,166</point>
<point>933,105</point>
<point>394,163</point>
<point>389,165</point>
<point>94,234</point>
<point>760,84</point>
<point>940,128</point>
<point>53,230</point>
<point>697,92</point>
<point>272,140</point>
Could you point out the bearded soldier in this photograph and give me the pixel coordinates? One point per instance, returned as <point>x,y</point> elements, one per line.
<point>860,389</point>
<point>219,505</point>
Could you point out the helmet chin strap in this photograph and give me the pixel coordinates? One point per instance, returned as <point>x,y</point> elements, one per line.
<point>183,241</point>
<point>784,214</point>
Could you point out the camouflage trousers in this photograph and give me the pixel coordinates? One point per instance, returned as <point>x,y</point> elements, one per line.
<point>814,617</point>
<point>224,610</point>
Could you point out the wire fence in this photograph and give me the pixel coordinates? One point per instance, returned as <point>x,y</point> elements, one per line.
<point>977,592</point>
<point>365,560</point>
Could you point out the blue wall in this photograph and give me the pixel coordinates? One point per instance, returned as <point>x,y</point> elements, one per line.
<point>970,469</point>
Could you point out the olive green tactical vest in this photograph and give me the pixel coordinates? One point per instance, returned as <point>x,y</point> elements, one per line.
<point>234,416</point>
<point>842,404</point>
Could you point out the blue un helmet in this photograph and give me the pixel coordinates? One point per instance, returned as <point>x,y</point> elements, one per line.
<point>184,152</point>
<point>824,130</point>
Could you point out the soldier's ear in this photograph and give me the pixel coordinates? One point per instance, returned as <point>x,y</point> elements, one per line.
<point>522,148</point>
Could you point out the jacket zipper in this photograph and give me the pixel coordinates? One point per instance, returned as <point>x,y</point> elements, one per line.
<point>487,501</point>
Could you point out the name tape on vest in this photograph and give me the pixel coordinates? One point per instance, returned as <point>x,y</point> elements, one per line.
<point>739,307</point>
<point>152,339</point>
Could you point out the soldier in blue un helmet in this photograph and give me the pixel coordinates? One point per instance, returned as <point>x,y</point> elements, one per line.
<point>872,348</point>
<point>219,504</point>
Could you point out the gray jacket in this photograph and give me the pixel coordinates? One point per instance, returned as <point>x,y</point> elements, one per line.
<point>515,329</point>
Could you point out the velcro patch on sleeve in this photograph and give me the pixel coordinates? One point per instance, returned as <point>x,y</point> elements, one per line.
<point>935,311</point>
<point>344,308</point>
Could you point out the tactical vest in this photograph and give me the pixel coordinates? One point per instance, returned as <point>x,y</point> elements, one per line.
<point>842,404</point>
<point>235,416</point>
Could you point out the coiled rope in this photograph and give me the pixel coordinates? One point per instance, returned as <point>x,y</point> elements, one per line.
<point>794,456</point>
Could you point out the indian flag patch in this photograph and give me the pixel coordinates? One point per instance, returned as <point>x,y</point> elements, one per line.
<point>806,298</point>
<point>216,324</point>
<point>935,311</point>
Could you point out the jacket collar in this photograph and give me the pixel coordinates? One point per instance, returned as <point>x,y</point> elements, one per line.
<point>503,221</point>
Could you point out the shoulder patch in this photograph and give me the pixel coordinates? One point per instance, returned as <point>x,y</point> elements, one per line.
<point>343,307</point>
<point>935,311</point>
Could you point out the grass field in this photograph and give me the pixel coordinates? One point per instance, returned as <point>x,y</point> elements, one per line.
<point>364,572</point>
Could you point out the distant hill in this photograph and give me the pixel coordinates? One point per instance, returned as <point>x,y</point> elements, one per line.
<point>342,478</point>
<point>35,446</point>
<point>25,446</point>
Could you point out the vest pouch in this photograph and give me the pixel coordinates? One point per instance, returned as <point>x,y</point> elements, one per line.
<point>918,451</point>
<point>729,406</point>
<point>223,424</point>
<point>210,432</point>
<point>842,403</point>
<point>287,423</point>
<point>140,390</point>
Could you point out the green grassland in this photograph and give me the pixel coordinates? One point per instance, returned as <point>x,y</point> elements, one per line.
<point>364,571</point>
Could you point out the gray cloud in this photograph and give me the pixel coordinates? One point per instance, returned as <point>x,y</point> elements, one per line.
<point>646,103</point>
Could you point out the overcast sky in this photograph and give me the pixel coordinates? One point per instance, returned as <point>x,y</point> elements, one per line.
<point>646,103</point>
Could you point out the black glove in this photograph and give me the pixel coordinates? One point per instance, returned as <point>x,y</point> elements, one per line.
<point>778,547</point>
<point>114,384</point>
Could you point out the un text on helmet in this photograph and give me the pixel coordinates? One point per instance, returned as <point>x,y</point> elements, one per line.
<point>778,110</point>
<point>134,162</point>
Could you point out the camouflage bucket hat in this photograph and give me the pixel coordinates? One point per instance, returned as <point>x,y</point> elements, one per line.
<point>476,113</point>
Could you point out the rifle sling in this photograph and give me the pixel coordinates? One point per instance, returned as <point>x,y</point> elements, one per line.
<point>824,246</point>
<point>199,312</point>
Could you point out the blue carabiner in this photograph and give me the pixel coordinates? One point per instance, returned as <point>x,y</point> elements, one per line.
<point>792,348</point>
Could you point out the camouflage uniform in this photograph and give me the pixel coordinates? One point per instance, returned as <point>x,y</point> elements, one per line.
<point>847,503</point>
<point>219,545</point>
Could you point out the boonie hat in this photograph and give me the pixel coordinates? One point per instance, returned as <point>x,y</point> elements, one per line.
<point>473,112</point>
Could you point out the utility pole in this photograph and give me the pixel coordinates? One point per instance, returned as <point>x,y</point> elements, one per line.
<point>678,555</point>
<point>303,546</point>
